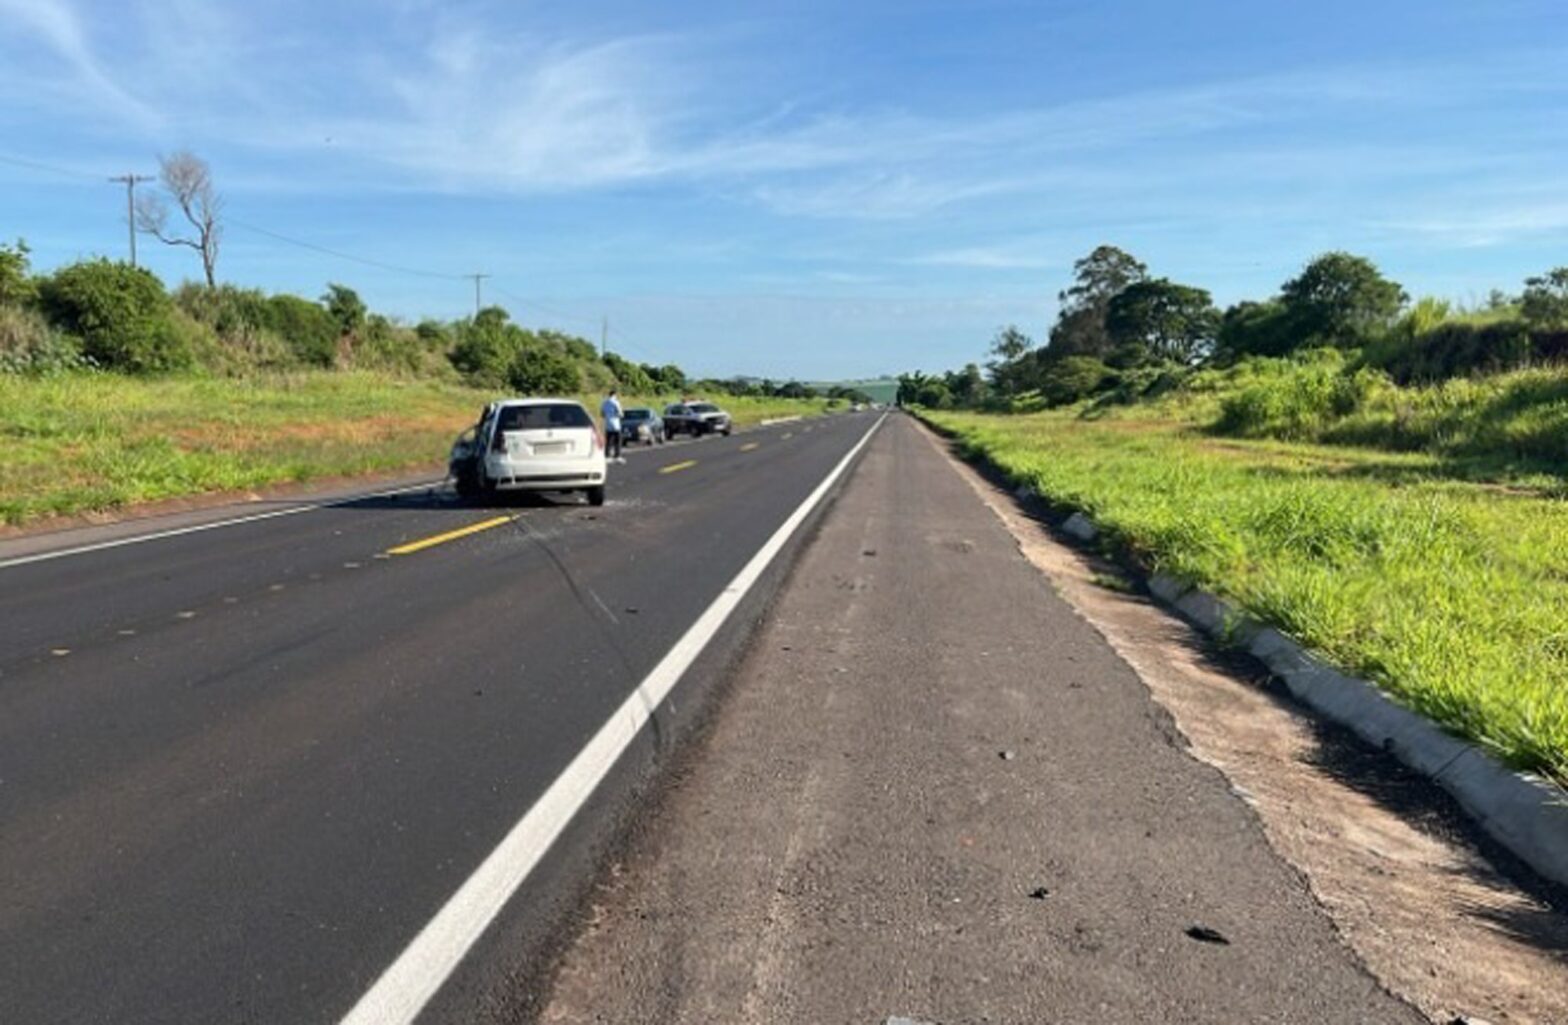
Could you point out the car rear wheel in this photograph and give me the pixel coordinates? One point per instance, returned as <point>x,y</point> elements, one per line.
<point>595,495</point>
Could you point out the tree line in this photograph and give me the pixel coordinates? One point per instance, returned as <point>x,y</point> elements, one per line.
<point>1119,327</point>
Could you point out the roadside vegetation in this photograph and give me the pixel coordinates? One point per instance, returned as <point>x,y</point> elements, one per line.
<point>115,390</point>
<point>1382,479</point>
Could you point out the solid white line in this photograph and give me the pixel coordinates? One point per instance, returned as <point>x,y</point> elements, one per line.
<point>419,971</point>
<point>22,560</point>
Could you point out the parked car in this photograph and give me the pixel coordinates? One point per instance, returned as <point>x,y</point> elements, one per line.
<point>642,426</point>
<point>530,445</point>
<point>696,419</point>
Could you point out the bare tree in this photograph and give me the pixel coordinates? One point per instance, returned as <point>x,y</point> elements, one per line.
<point>188,180</point>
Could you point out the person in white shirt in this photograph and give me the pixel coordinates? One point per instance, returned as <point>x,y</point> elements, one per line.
<point>610,409</point>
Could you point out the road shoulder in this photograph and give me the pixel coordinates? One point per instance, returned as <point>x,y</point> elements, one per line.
<point>1403,873</point>
<point>935,791</point>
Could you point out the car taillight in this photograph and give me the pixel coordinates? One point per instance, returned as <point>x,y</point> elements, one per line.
<point>500,442</point>
<point>598,440</point>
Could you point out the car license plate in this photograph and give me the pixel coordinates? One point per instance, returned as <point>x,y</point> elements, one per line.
<point>549,448</point>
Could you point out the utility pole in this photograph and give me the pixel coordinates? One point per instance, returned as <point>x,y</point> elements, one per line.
<point>477,279</point>
<point>131,181</point>
<point>604,337</point>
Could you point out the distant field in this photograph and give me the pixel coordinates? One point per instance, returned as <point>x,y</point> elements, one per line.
<point>93,442</point>
<point>1450,592</point>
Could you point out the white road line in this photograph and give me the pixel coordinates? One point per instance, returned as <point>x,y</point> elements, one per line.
<point>419,971</point>
<point>22,560</point>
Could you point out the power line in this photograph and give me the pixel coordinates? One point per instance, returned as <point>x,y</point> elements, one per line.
<point>382,265</point>
<point>52,169</point>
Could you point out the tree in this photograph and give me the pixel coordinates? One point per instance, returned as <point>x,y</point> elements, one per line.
<point>1340,299</point>
<point>1011,347</point>
<point>346,308</point>
<point>1166,321</point>
<point>967,386</point>
<point>1545,300</point>
<point>188,181</point>
<point>1099,276</point>
<point>1254,329</point>
<point>16,283</point>
<point>1097,279</point>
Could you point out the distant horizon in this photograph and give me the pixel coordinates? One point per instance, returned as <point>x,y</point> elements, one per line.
<point>796,191</point>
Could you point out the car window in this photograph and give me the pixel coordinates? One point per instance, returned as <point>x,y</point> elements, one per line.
<point>542,417</point>
<point>638,414</point>
<point>674,410</point>
<point>704,407</point>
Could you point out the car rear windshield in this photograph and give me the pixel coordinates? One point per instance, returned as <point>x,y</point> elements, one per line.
<point>543,417</point>
<point>638,414</point>
<point>704,407</point>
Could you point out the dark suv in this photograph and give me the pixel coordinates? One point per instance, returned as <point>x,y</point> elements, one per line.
<point>696,419</point>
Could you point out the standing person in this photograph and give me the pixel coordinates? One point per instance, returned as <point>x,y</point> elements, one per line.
<point>610,409</point>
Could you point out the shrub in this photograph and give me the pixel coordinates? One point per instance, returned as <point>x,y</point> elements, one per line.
<point>305,327</point>
<point>28,345</point>
<point>121,313</point>
<point>1073,378</point>
<point>541,370</point>
<point>1295,399</point>
<point>631,377</point>
<point>1453,349</point>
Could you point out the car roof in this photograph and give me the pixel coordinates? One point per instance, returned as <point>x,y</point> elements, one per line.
<point>537,402</point>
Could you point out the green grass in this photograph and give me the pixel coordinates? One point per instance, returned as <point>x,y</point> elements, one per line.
<point>92,442</point>
<point>1450,593</point>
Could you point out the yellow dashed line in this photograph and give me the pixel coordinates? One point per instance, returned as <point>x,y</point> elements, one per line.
<point>688,464</point>
<point>451,535</point>
<point>750,445</point>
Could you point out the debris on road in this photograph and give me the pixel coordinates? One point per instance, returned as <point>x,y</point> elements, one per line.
<point>1203,934</point>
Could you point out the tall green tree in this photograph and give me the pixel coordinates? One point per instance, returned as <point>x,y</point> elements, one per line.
<point>1097,278</point>
<point>348,310</point>
<point>1010,361</point>
<point>1162,320</point>
<point>1544,303</point>
<point>1340,299</point>
<point>16,283</point>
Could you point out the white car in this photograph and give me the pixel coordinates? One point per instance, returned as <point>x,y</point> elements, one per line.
<point>530,445</point>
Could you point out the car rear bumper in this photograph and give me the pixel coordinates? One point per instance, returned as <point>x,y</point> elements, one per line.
<point>554,475</point>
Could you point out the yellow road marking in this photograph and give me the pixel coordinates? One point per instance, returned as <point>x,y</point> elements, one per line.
<point>750,445</point>
<point>451,535</point>
<point>688,464</point>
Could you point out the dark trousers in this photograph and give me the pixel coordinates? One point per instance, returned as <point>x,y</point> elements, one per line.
<point>612,444</point>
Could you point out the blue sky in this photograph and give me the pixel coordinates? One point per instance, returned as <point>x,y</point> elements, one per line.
<point>803,188</point>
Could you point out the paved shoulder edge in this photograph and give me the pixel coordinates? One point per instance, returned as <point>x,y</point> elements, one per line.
<point>1525,813</point>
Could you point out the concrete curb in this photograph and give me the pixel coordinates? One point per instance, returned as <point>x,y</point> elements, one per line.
<point>1525,813</point>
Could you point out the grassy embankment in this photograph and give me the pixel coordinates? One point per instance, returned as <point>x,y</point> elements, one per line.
<point>91,442</point>
<point>1431,555</point>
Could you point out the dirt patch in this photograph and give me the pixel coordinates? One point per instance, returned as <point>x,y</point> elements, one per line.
<point>1389,858</point>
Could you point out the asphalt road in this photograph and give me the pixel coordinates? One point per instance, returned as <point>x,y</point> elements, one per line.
<point>242,768</point>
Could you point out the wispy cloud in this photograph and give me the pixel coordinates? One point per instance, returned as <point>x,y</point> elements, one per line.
<point>56,24</point>
<point>987,259</point>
